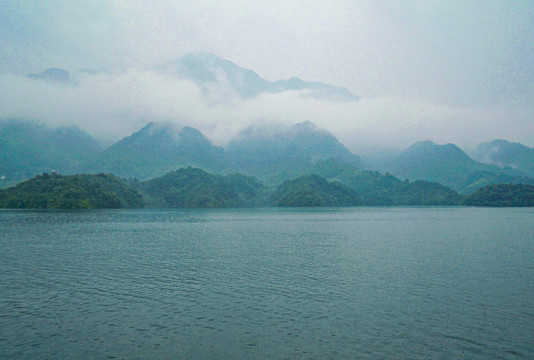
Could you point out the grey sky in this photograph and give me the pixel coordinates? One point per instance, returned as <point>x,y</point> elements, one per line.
<point>473,60</point>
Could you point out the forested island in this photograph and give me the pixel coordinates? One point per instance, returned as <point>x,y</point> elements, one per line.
<point>196,188</point>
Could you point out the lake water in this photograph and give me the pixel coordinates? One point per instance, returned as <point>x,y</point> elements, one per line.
<point>355,283</point>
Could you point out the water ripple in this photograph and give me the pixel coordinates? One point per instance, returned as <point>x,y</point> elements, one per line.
<point>329,284</point>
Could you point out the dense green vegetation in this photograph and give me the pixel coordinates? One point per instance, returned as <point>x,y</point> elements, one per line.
<point>375,188</point>
<point>53,191</point>
<point>195,188</point>
<point>502,195</point>
<point>313,190</point>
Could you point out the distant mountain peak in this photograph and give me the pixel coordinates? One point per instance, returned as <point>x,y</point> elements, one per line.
<point>505,153</point>
<point>157,148</point>
<point>279,131</point>
<point>429,148</point>
<point>261,149</point>
<point>169,130</point>
<point>207,69</point>
<point>306,125</point>
<point>52,75</point>
<point>451,166</point>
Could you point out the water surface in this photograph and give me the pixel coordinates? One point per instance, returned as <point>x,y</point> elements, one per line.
<point>388,283</point>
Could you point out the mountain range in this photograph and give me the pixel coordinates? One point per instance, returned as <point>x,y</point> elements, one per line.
<point>221,79</point>
<point>270,153</point>
<point>206,69</point>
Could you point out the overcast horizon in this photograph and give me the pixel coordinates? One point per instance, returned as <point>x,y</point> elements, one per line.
<point>450,72</point>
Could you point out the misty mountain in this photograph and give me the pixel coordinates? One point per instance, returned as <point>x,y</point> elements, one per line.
<point>28,148</point>
<point>265,151</point>
<point>52,75</point>
<point>451,166</point>
<point>506,154</point>
<point>156,149</point>
<point>273,153</point>
<point>208,70</point>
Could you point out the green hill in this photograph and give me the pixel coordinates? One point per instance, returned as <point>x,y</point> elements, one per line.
<point>196,188</point>
<point>53,191</point>
<point>503,195</point>
<point>375,188</point>
<point>313,190</point>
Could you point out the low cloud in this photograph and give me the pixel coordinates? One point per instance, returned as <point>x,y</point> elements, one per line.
<point>111,106</point>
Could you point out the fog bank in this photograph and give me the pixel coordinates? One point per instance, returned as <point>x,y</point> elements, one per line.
<point>113,105</point>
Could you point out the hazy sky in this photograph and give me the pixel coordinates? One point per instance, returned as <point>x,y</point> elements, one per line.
<point>449,71</point>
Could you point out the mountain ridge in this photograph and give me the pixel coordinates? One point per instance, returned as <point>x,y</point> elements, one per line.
<point>156,149</point>
<point>207,69</point>
<point>504,153</point>
<point>272,153</point>
<point>451,166</point>
<point>28,148</point>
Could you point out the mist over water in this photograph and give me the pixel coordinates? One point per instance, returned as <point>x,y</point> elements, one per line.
<point>321,283</point>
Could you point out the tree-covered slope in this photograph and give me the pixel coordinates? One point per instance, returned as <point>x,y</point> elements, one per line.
<point>503,195</point>
<point>196,188</point>
<point>53,191</point>
<point>157,149</point>
<point>28,148</point>
<point>313,190</point>
<point>451,166</point>
<point>385,189</point>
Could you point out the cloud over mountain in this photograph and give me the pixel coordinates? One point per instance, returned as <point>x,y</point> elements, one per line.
<point>220,99</point>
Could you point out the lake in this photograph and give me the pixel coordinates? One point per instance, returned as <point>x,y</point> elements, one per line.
<point>351,283</point>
